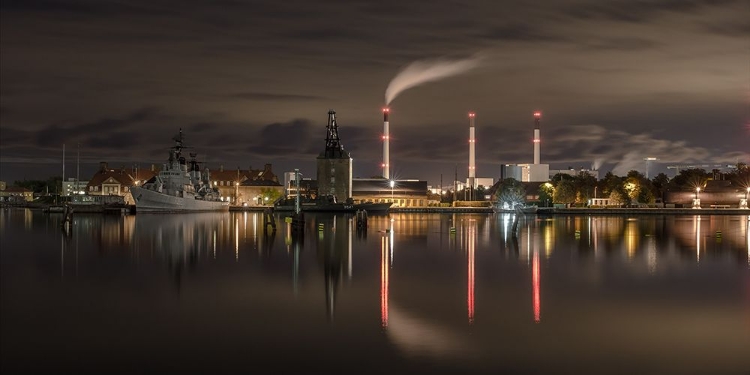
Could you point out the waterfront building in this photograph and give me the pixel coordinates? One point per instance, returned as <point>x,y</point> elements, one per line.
<point>402,193</point>
<point>113,182</point>
<point>247,186</point>
<point>73,186</point>
<point>15,194</point>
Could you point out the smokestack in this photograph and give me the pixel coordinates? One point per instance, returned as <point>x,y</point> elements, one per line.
<point>472,162</point>
<point>537,140</point>
<point>386,145</point>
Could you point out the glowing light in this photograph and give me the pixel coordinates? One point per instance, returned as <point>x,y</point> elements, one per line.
<point>384,278</point>
<point>470,272</point>
<point>386,110</point>
<point>535,285</point>
<point>697,239</point>
<point>537,140</point>
<point>537,114</point>
<point>471,114</point>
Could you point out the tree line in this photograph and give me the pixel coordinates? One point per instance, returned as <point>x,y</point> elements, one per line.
<point>629,189</point>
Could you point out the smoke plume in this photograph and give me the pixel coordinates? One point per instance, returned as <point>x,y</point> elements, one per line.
<point>420,72</point>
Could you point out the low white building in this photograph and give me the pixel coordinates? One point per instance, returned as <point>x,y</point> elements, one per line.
<point>72,187</point>
<point>526,172</point>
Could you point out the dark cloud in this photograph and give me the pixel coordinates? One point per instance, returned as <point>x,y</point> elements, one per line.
<point>738,29</point>
<point>286,139</point>
<point>121,78</point>
<point>83,7</point>
<point>622,44</point>
<point>639,11</point>
<point>113,141</point>
<point>323,34</point>
<point>274,97</point>
<point>55,134</point>
<point>519,33</point>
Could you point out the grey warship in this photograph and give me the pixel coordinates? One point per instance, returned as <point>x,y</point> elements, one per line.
<point>179,187</point>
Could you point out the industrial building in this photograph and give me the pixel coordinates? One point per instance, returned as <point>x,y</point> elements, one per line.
<point>334,176</point>
<point>536,172</point>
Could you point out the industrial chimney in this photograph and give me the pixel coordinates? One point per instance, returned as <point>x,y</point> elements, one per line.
<point>472,162</point>
<point>537,140</point>
<point>386,145</point>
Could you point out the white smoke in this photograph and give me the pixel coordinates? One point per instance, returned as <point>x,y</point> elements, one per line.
<point>420,72</point>
<point>597,164</point>
<point>626,151</point>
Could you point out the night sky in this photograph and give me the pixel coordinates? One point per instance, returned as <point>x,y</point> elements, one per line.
<point>251,82</point>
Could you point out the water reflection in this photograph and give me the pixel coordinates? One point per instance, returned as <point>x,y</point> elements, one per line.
<point>625,282</point>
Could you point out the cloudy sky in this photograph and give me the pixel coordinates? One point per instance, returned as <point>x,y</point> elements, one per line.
<point>251,82</point>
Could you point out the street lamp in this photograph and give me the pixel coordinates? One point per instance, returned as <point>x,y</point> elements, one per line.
<point>747,192</point>
<point>697,203</point>
<point>392,183</point>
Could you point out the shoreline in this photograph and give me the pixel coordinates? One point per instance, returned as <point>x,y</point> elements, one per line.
<point>581,211</point>
<point>454,210</point>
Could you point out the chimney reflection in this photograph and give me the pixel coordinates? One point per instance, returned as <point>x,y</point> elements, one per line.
<point>535,287</point>
<point>470,272</point>
<point>384,278</point>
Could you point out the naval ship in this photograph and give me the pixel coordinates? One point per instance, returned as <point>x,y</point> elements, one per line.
<point>179,187</point>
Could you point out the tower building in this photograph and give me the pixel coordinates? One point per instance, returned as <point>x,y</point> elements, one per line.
<point>334,165</point>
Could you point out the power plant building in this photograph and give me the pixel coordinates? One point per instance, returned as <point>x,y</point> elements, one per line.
<point>526,172</point>
<point>536,172</point>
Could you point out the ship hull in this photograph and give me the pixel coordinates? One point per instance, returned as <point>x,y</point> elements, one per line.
<point>153,201</point>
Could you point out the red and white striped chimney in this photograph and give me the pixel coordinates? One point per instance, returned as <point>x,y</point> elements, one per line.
<point>537,139</point>
<point>472,161</point>
<point>386,145</point>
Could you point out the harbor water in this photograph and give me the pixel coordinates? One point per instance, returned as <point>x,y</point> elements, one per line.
<point>405,293</point>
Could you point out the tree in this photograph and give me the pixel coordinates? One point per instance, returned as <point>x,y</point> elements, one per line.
<point>510,192</point>
<point>610,183</point>
<point>619,196</point>
<point>741,176</point>
<point>270,195</point>
<point>51,185</point>
<point>645,195</point>
<point>561,177</point>
<point>546,191</point>
<point>659,184</point>
<point>584,184</point>
<point>689,179</point>
<point>565,192</point>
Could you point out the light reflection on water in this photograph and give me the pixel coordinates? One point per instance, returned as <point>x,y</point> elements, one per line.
<point>664,294</point>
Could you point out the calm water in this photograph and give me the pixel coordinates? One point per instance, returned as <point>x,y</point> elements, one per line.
<point>211,293</point>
